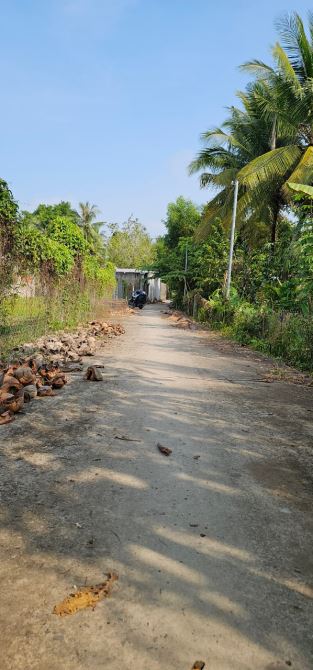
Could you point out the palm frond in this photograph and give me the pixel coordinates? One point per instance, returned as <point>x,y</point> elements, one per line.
<point>214,158</point>
<point>214,137</point>
<point>217,208</point>
<point>310,21</point>
<point>296,44</point>
<point>303,172</point>
<point>285,66</point>
<point>257,68</point>
<point>273,165</point>
<point>301,188</point>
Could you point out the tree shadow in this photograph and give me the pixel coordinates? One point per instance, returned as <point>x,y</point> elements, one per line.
<point>212,561</point>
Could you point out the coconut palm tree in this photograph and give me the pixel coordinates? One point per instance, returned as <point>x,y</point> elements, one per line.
<point>86,220</point>
<point>270,141</point>
<point>244,136</point>
<point>291,105</point>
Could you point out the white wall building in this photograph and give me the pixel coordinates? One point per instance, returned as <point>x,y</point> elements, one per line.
<point>157,290</point>
<point>130,279</point>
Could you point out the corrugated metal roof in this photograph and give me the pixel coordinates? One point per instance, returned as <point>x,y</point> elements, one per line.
<point>131,271</point>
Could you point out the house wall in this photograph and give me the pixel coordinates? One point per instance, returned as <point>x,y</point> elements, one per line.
<point>157,290</point>
<point>127,282</point>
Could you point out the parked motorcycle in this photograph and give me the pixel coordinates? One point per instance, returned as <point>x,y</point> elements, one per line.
<point>138,299</point>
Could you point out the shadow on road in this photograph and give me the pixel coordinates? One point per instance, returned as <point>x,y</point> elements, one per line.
<point>212,545</point>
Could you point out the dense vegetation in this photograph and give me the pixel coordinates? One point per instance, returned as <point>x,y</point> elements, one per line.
<point>129,245</point>
<point>267,145</point>
<point>63,253</point>
<point>68,256</point>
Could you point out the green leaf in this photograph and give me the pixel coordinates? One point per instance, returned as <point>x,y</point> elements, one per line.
<point>301,188</point>
<point>271,165</point>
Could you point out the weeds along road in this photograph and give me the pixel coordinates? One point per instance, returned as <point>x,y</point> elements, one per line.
<point>213,544</point>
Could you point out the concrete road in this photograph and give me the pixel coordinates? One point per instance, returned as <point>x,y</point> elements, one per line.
<point>213,544</point>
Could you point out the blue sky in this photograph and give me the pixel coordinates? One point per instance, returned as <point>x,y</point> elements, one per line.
<point>105,100</point>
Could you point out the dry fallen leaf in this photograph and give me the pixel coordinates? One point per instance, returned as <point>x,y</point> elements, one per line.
<point>198,665</point>
<point>166,451</point>
<point>89,596</point>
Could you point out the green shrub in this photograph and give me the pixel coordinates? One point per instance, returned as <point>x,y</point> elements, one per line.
<point>249,322</point>
<point>285,335</point>
<point>291,338</point>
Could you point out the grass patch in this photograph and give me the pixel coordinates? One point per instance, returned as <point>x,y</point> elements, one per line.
<point>25,319</point>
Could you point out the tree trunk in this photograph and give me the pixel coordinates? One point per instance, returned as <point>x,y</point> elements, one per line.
<point>273,134</point>
<point>274,224</point>
<point>273,232</point>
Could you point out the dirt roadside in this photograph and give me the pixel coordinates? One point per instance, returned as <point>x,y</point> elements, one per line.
<point>213,545</point>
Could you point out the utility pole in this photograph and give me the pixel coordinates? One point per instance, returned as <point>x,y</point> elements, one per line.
<point>232,237</point>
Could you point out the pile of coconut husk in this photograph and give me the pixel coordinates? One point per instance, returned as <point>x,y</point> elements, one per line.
<point>180,320</point>
<point>71,347</point>
<point>38,368</point>
<point>22,381</point>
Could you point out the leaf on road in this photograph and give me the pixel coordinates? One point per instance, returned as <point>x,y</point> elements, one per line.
<point>86,597</point>
<point>166,451</point>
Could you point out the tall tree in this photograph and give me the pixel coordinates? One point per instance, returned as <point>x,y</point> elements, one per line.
<point>130,245</point>
<point>269,141</point>
<point>87,221</point>
<point>182,219</point>
<point>44,214</point>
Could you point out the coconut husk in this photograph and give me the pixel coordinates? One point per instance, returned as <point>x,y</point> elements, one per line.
<point>57,383</point>
<point>6,417</point>
<point>54,373</point>
<point>93,374</point>
<point>25,375</point>
<point>15,404</point>
<point>44,391</point>
<point>30,392</point>
<point>11,384</point>
<point>5,396</point>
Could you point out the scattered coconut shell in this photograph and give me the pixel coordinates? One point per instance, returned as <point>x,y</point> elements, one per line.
<point>44,391</point>
<point>10,382</point>
<point>42,371</point>
<point>93,374</point>
<point>166,451</point>
<point>15,404</point>
<point>32,364</point>
<point>5,396</point>
<point>54,373</point>
<point>38,367</point>
<point>6,417</point>
<point>72,367</point>
<point>38,360</point>
<point>30,392</point>
<point>25,375</point>
<point>57,383</point>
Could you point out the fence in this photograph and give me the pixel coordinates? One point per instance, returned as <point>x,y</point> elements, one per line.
<point>62,306</point>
